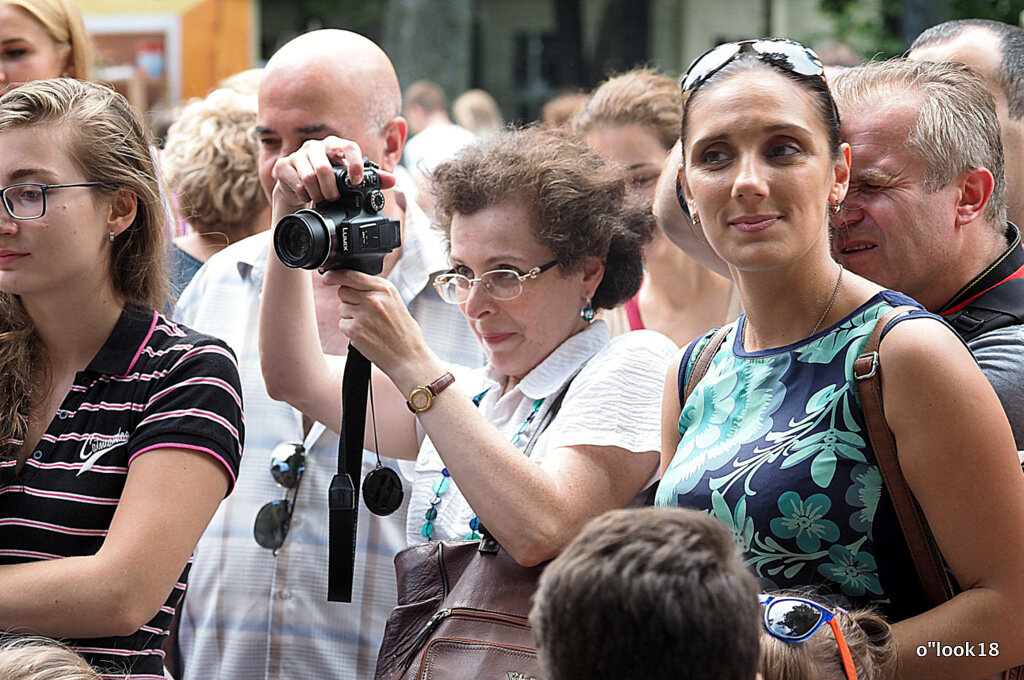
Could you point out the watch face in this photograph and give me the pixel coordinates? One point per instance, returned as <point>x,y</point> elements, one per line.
<point>420,399</point>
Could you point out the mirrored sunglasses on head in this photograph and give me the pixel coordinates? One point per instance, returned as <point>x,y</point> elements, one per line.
<point>795,619</point>
<point>786,54</point>
<point>287,463</point>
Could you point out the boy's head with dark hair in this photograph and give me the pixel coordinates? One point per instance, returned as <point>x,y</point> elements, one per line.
<point>649,593</point>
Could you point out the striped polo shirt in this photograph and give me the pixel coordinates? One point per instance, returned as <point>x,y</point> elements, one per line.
<point>154,384</point>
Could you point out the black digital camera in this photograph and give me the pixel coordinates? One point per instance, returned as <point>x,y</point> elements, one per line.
<point>349,233</point>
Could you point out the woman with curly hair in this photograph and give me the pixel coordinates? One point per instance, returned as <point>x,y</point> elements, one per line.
<point>210,161</point>
<point>542,233</point>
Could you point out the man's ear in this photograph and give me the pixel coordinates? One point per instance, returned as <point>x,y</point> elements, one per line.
<point>123,208</point>
<point>976,187</point>
<point>841,179</point>
<point>395,132</point>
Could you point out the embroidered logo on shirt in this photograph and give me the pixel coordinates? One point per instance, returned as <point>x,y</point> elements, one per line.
<point>94,447</point>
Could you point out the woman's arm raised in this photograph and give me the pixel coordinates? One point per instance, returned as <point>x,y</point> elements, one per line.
<point>957,453</point>
<point>534,509</point>
<point>681,230</point>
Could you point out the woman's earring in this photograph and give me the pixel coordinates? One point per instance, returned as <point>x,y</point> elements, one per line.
<point>835,208</point>
<point>587,313</point>
<point>696,219</point>
<point>111,235</point>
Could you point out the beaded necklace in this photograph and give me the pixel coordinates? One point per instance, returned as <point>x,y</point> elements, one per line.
<point>442,485</point>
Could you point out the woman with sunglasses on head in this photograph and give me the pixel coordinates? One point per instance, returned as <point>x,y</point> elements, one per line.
<point>122,430</point>
<point>772,439</point>
<point>542,233</point>
<point>633,119</point>
<point>802,639</point>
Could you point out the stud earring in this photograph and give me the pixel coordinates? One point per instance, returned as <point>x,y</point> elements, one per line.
<point>587,313</point>
<point>111,235</point>
<point>696,219</point>
<point>835,208</point>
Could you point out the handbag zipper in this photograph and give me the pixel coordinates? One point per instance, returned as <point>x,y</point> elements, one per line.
<point>459,612</point>
<point>421,638</point>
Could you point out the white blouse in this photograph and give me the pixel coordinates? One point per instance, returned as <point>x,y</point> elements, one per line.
<point>615,400</point>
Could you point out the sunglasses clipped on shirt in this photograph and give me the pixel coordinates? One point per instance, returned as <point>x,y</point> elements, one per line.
<point>287,463</point>
<point>795,619</point>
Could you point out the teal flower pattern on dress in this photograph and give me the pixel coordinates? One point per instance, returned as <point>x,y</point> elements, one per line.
<point>843,337</point>
<point>863,495</point>
<point>805,520</point>
<point>773,444</point>
<point>742,526</point>
<point>725,413</point>
<point>855,571</point>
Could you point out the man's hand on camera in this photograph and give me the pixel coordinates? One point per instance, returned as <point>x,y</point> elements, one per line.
<point>308,176</point>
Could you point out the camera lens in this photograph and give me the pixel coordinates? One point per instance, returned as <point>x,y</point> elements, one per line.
<point>302,240</point>
<point>296,242</point>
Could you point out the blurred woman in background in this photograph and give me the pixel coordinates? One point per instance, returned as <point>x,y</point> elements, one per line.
<point>633,119</point>
<point>42,39</point>
<point>210,162</point>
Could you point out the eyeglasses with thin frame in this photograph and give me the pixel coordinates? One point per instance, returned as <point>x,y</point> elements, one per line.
<point>500,284</point>
<point>787,54</point>
<point>287,463</point>
<point>28,201</point>
<point>795,619</point>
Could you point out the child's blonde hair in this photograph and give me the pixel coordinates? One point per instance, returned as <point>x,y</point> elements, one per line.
<point>34,658</point>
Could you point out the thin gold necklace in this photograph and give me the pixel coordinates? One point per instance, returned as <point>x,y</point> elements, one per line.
<point>828,308</point>
<point>832,301</point>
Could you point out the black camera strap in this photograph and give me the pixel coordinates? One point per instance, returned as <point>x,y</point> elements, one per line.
<point>343,496</point>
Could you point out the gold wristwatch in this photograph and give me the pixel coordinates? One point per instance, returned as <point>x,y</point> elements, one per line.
<point>422,397</point>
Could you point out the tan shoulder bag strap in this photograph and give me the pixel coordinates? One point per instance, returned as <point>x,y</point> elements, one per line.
<point>703,360</point>
<point>925,553</point>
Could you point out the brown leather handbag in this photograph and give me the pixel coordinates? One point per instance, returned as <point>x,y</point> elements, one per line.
<point>462,614</point>
<point>463,607</point>
<point>935,579</point>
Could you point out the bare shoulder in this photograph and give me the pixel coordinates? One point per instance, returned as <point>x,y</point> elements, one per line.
<point>922,340</point>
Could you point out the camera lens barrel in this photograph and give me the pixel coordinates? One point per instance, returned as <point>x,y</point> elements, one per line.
<point>303,240</point>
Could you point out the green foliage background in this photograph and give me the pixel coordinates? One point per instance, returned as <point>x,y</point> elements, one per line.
<point>874,32</point>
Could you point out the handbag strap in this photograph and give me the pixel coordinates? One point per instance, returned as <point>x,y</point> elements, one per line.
<point>923,550</point>
<point>703,360</point>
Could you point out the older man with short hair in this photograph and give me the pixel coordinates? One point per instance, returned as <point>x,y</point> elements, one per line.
<point>926,210</point>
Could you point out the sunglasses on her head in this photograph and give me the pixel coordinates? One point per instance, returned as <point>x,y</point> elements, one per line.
<point>796,619</point>
<point>786,54</point>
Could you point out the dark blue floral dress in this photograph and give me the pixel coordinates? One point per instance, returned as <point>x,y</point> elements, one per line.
<point>774,445</point>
